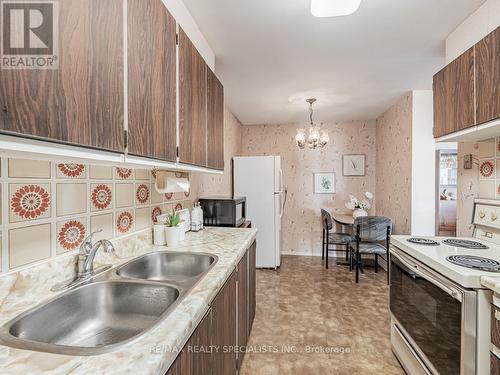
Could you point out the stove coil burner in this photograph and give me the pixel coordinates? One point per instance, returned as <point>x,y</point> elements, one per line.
<point>478,263</point>
<point>468,244</point>
<point>423,241</point>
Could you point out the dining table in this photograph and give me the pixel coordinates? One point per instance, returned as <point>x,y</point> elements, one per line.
<point>343,219</point>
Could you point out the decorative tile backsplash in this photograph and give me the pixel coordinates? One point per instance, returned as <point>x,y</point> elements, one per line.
<point>48,208</point>
<point>489,168</point>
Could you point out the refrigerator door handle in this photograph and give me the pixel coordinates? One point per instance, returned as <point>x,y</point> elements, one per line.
<point>284,201</point>
<point>281,180</point>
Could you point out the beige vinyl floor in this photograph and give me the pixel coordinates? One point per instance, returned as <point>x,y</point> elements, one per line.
<point>310,320</point>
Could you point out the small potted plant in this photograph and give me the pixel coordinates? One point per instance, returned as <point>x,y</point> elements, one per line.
<point>359,206</point>
<point>172,229</point>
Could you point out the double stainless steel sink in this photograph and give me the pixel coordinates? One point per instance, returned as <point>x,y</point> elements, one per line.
<point>110,309</point>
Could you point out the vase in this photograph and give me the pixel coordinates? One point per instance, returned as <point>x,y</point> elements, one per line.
<point>359,212</point>
<point>172,235</point>
<point>159,235</point>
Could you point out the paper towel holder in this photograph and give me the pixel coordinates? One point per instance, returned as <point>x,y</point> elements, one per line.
<point>171,182</point>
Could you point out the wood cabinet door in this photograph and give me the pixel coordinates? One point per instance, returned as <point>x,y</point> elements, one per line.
<point>453,86</point>
<point>488,77</point>
<point>200,342</point>
<point>251,285</point>
<point>193,103</point>
<point>183,364</point>
<point>151,80</point>
<point>494,364</point>
<point>243,307</point>
<point>215,122</point>
<point>80,102</point>
<point>224,328</point>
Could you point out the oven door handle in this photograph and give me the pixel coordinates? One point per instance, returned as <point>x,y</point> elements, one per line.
<point>423,273</point>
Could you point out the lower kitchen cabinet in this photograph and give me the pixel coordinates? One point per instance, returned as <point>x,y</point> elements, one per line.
<point>251,285</point>
<point>226,325</point>
<point>495,364</point>
<point>243,305</point>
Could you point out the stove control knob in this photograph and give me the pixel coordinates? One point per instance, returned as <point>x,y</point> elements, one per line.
<point>494,216</point>
<point>482,214</point>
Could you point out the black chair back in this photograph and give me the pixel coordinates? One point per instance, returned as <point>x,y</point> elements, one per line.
<point>372,228</point>
<point>326,219</point>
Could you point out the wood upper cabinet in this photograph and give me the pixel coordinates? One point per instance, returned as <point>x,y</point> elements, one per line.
<point>151,80</point>
<point>193,103</point>
<point>488,77</point>
<point>81,102</point>
<point>453,87</point>
<point>215,122</point>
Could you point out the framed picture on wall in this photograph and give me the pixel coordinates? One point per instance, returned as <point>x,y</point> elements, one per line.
<point>354,165</point>
<point>324,183</point>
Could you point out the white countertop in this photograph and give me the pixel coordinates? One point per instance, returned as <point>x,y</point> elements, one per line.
<point>435,258</point>
<point>146,355</point>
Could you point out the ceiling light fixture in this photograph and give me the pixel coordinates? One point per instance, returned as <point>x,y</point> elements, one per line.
<point>334,8</point>
<point>316,136</point>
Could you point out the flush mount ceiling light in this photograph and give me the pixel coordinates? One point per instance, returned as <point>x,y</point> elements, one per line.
<point>334,8</point>
<point>316,136</point>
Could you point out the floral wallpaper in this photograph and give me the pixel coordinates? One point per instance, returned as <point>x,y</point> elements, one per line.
<point>393,186</point>
<point>302,228</point>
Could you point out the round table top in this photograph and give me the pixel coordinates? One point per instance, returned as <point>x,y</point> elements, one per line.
<point>343,219</point>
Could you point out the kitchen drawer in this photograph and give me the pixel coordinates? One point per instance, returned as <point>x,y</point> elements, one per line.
<point>495,326</point>
<point>495,364</point>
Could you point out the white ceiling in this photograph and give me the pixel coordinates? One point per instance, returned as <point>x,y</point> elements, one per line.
<point>271,54</point>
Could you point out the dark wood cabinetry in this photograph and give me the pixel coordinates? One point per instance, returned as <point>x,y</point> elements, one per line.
<point>152,78</point>
<point>226,325</point>
<point>224,328</point>
<point>488,77</point>
<point>215,122</point>
<point>495,364</point>
<point>193,103</point>
<point>251,284</point>
<point>81,102</point>
<point>467,91</point>
<point>243,305</point>
<point>454,96</point>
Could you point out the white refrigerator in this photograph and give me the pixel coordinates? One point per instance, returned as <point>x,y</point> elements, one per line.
<point>260,180</point>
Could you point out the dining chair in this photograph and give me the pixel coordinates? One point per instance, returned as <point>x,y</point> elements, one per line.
<point>369,231</point>
<point>337,239</point>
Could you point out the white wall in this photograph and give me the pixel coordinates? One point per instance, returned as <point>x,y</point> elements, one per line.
<point>186,21</point>
<point>473,29</point>
<point>423,176</point>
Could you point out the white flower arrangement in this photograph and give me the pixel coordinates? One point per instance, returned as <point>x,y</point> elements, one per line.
<point>364,204</point>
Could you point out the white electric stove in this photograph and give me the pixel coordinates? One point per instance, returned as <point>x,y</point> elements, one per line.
<point>440,311</point>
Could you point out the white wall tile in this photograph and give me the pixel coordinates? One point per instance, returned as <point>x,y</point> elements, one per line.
<point>29,244</point>
<point>71,199</point>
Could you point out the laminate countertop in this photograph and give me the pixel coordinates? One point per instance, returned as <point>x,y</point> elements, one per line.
<point>492,283</point>
<point>152,352</point>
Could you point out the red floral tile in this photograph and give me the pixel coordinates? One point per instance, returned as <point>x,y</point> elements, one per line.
<point>142,193</point>
<point>154,213</point>
<point>71,235</point>
<point>486,168</point>
<point>30,201</point>
<point>124,173</point>
<point>178,206</point>
<point>71,170</point>
<point>124,222</point>
<point>101,197</point>
<point>169,196</point>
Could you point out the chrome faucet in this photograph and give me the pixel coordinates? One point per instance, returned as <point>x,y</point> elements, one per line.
<point>85,262</point>
<point>88,252</point>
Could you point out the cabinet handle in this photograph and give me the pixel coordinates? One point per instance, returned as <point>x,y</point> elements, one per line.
<point>497,314</point>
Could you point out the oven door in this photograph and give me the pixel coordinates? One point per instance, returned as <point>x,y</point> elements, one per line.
<point>438,316</point>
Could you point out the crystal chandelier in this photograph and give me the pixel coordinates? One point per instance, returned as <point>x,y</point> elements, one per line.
<point>316,136</point>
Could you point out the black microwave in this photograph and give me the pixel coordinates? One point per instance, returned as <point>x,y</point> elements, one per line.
<point>223,212</point>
